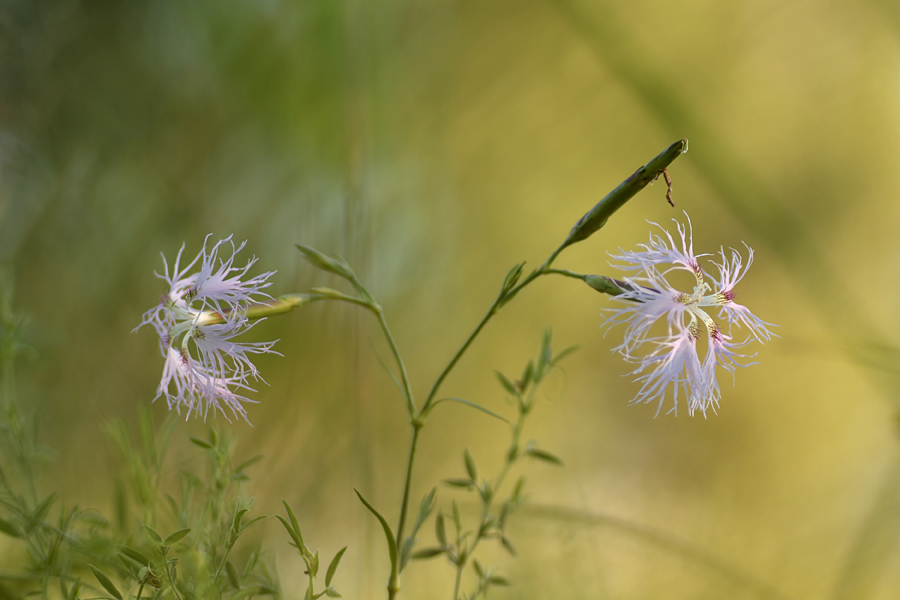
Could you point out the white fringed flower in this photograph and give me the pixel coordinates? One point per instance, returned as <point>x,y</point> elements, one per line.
<point>669,356</point>
<point>196,321</point>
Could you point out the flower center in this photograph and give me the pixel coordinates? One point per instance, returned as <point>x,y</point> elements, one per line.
<point>725,297</point>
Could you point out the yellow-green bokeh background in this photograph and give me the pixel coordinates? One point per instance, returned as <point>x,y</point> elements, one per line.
<point>434,144</point>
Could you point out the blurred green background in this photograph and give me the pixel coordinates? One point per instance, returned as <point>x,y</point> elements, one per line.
<point>434,144</point>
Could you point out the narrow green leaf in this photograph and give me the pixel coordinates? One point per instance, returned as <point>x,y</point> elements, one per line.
<point>517,490</point>
<point>266,590</point>
<point>457,519</point>
<point>233,577</point>
<point>468,403</point>
<point>178,535</point>
<point>440,530</point>
<point>41,511</point>
<point>425,509</point>
<point>297,541</point>
<point>332,593</point>
<point>133,567</point>
<point>459,482</point>
<point>106,582</point>
<point>314,564</point>
<point>249,523</point>
<point>486,491</point>
<point>73,593</point>
<point>562,354</point>
<point>478,568</point>
<point>254,590</point>
<point>332,568</point>
<point>249,462</point>
<point>470,465</point>
<point>545,456</point>
<point>236,521</point>
<point>426,553</point>
<point>10,529</point>
<point>545,356</point>
<point>527,375</point>
<point>504,513</point>
<point>202,443</point>
<point>153,534</point>
<point>408,544</point>
<point>293,518</point>
<point>499,580</point>
<point>392,545</point>
<point>508,385</point>
<point>508,545</point>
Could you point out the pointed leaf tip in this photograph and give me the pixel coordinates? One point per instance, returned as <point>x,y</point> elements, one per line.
<point>388,533</point>
<point>106,582</point>
<point>332,568</point>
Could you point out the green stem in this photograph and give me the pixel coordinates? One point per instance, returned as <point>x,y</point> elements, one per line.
<point>501,301</point>
<point>172,581</point>
<point>566,273</point>
<point>458,581</point>
<point>404,377</point>
<point>222,564</point>
<point>404,506</point>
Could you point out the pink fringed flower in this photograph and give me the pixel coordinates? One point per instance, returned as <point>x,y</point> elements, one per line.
<point>669,356</point>
<point>196,321</point>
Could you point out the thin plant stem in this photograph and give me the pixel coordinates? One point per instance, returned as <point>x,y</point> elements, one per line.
<point>417,427</point>
<point>495,307</point>
<point>566,273</point>
<point>394,583</point>
<point>172,582</point>
<point>379,313</point>
<point>404,377</point>
<point>457,583</point>
<point>222,564</point>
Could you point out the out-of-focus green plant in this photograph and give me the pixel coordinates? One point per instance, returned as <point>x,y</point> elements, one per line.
<point>64,551</point>
<point>197,557</point>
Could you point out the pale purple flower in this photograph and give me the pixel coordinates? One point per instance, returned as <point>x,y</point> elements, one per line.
<point>203,367</point>
<point>669,355</point>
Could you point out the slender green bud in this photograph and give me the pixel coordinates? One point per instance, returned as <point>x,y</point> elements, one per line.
<point>607,285</point>
<point>616,199</point>
<point>257,310</point>
<point>333,265</point>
